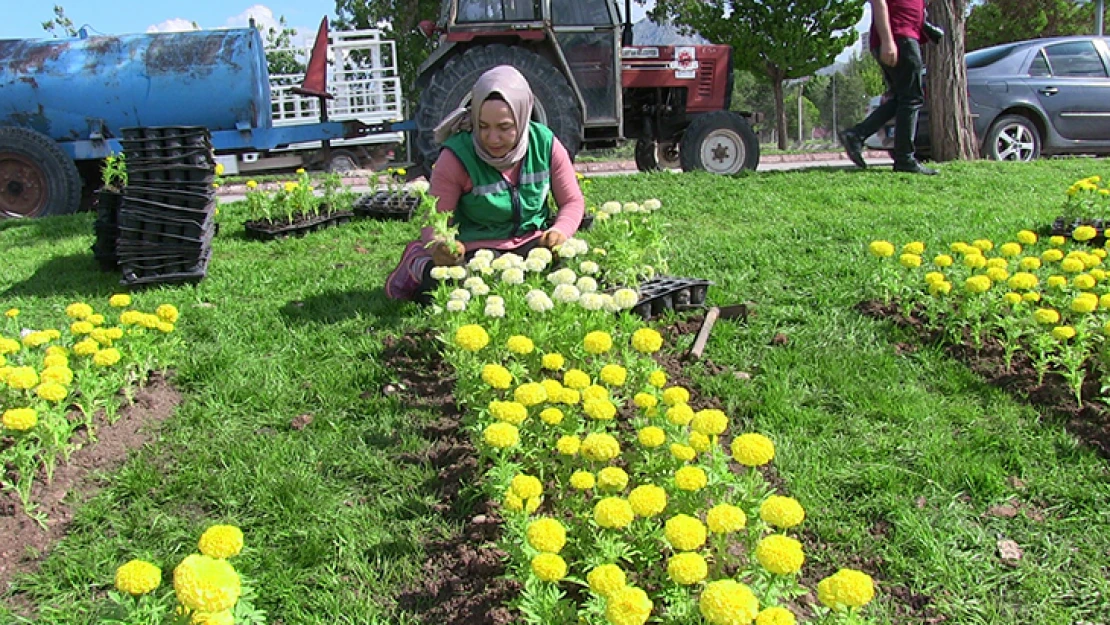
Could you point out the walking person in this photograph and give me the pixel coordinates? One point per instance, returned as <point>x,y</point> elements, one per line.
<point>897,32</point>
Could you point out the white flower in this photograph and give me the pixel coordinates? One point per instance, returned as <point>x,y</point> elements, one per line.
<point>566,250</point>
<point>589,267</point>
<point>486,254</point>
<point>611,208</point>
<point>535,265</point>
<point>460,294</point>
<point>439,273</point>
<point>580,246</point>
<point>563,276</point>
<point>495,300</point>
<point>487,271</point>
<point>507,261</point>
<point>456,305</point>
<point>631,207</point>
<point>494,311</point>
<point>541,253</point>
<point>626,298</point>
<point>652,204</point>
<point>512,275</point>
<point>566,293</point>
<point>587,284</point>
<point>456,272</point>
<point>478,263</point>
<point>541,302</point>
<point>648,271</point>
<point>591,301</point>
<point>436,309</point>
<point>418,186</point>
<point>609,304</point>
<point>476,285</point>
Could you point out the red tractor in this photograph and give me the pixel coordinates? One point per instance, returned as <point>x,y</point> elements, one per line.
<point>593,87</point>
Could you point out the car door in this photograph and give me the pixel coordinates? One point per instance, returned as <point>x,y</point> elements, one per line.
<point>1071,82</point>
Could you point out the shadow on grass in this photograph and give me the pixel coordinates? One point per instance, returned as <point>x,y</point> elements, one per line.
<point>335,306</point>
<point>29,231</point>
<point>76,275</point>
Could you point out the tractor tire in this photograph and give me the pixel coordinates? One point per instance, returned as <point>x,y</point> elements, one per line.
<point>36,177</point>
<point>721,142</point>
<point>656,156</point>
<point>449,88</point>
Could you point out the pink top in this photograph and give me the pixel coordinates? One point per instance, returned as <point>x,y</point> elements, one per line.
<point>450,182</point>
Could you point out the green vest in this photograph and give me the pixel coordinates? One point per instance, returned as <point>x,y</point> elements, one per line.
<point>493,209</point>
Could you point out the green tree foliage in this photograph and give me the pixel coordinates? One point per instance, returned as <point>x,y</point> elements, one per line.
<point>398,20</point>
<point>60,23</point>
<point>776,41</point>
<point>994,22</point>
<point>281,58</point>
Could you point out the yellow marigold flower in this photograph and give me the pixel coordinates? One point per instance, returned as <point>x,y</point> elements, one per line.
<point>130,317</point>
<point>676,395</point>
<point>221,541</point>
<point>57,373</point>
<point>651,436</point>
<point>606,579</point>
<point>780,554</point>
<point>691,478</point>
<point>96,320</point>
<point>612,479</point>
<point>775,616</point>
<point>1084,282</point>
<point>35,339</point>
<point>1104,301</point>
<point>290,186</point>
<point>9,346</point>
<point>847,588</point>
<point>613,375</point>
<point>471,337</point>
<point>647,500</point>
<point>568,445</point>
<point>1084,233</point>
<point>657,378</point>
<point>582,480</point>
<point>526,486</point>
<point>684,532</point>
<point>213,618</point>
<point>1023,281</point>
<point>645,400</point>
<point>508,411</point>
<point>682,452</point>
<point>576,379</point>
<point>114,333</point>
<point>549,567</point>
<point>1098,274</point>
<point>595,391</point>
<point>997,274</point>
<point>725,518</point>
<point>554,389</point>
<point>512,502</point>
<point>530,394</point>
<point>600,447</point>
<point>600,409</point>
<point>547,535</point>
<point>19,419</point>
<point>728,602</point>
<point>687,568</point>
<point>1046,316</point>
<point>628,605</point>
<point>51,391</point>
<point>914,247</point>
<point>1056,282</point>
<point>1010,250</point>
<point>680,414</point>
<point>501,435</point>
<point>100,335</point>
<point>934,276</point>
<point>149,322</point>
<point>977,284</point>
<point>80,327</point>
<point>11,313</point>
<point>943,260</point>
<point>553,362</point>
<point>106,357</point>
<point>87,347</point>
<point>753,450</point>
<point>78,310</point>
<point>1012,298</point>
<point>646,341</point>
<point>23,378</point>
<point>138,577</point>
<point>983,244</point>
<point>700,442</point>
<point>909,261</point>
<point>597,343</point>
<point>1085,303</point>
<point>1052,256</point>
<point>711,422</point>
<point>1028,237</point>
<point>206,584</point>
<point>975,261</point>
<point>1063,333</point>
<point>252,184</point>
<point>519,344</point>
<point>1099,253</point>
<point>613,513</point>
<point>551,416</point>
<point>881,249</point>
<point>1030,263</point>
<point>998,263</point>
<point>532,504</point>
<point>497,376</point>
<point>1071,265</point>
<point>782,512</point>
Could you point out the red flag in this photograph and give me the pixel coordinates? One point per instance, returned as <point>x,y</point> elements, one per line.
<point>315,81</point>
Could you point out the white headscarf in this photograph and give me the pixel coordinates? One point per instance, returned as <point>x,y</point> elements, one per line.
<point>513,87</point>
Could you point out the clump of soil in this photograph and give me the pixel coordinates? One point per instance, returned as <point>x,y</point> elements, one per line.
<point>23,542</point>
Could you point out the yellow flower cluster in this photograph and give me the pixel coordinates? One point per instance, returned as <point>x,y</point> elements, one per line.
<point>600,409</point>
<point>600,447</point>
<point>568,445</point>
<point>221,542</point>
<point>651,436</point>
<point>647,341</point>
<point>647,500</point>
<point>547,534</point>
<point>847,588</point>
<point>106,357</point>
<point>710,422</point>
<point>753,450</point>
<point>728,602</point>
<point>775,616</point>
<point>881,249</point>
<point>501,435</point>
<point>691,478</point>
<point>138,577</point>
<point>676,395</point>
<point>471,337</point>
<point>612,479</point>
<point>19,419</point>
<point>613,513</point>
<point>508,411</point>
<point>551,416</point>
<point>526,486</point>
<point>206,584</point>
<point>628,605</point>
<point>582,480</point>
<point>613,375</point>
<point>687,568</point>
<point>782,512</point>
<point>549,567</point>
<point>552,362</point>
<point>780,554</point>
<point>520,345</point>
<point>606,579</point>
<point>725,518</point>
<point>576,379</point>
<point>684,532</point>
<point>530,394</point>
<point>597,343</point>
<point>497,376</point>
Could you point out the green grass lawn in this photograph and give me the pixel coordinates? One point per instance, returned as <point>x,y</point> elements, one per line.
<point>898,456</point>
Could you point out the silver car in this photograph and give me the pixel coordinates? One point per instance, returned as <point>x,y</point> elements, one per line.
<point>1027,98</point>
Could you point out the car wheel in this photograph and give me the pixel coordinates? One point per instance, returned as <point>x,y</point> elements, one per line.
<point>1012,138</point>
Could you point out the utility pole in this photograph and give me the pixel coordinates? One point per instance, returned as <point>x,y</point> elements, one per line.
<point>834,126</point>
<point>801,90</point>
<point>1100,8</point>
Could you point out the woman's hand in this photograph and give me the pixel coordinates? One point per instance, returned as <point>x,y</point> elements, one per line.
<point>552,239</point>
<point>442,255</point>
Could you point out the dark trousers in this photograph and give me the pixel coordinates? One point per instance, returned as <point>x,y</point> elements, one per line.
<point>904,81</point>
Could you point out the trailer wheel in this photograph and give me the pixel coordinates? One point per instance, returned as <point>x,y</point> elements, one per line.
<point>656,155</point>
<point>342,161</point>
<point>450,86</point>
<point>720,142</point>
<point>36,177</point>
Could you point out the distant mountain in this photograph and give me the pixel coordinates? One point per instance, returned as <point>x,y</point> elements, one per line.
<point>648,33</point>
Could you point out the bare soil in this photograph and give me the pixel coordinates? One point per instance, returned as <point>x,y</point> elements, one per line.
<point>24,543</point>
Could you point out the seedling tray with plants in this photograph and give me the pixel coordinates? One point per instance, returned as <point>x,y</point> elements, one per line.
<point>387,205</point>
<point>270,230</point>
<point>663,293</point>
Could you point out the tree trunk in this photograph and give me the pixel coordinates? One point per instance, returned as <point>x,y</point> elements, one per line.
<point>951,132</point>
<point>780,111</point>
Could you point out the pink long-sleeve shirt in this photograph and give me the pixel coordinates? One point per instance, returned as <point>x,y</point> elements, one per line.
<point>450,182</point>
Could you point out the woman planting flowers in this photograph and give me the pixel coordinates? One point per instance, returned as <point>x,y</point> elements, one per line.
<point>493,176</point>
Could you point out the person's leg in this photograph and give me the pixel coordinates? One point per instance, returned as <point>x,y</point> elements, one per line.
<point>852,138</point>
<point>909,96</point>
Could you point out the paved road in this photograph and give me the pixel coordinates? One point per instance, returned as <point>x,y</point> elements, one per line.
<point>776,162</point>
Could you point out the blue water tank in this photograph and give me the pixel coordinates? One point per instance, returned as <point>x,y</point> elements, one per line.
<point>74,89</point>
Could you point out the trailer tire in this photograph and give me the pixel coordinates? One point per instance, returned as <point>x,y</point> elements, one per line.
<point>721,142</point>
<point>36,177</point>
<point>656,155</point>
<point>450,86</point>
<point>342,161</point>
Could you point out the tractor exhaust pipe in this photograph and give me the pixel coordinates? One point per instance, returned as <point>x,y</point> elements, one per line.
<point>626,33</point>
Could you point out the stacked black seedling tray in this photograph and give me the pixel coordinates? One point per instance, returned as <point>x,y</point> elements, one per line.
<point>106,229</point>
<point>663,293</point>
<point>386,205</point>
<point>166,222</point>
